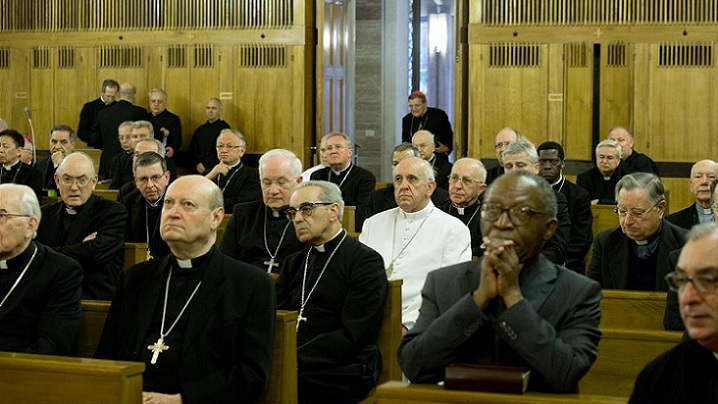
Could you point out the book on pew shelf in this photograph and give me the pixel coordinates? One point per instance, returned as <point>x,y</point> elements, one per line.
<point>497,379</point>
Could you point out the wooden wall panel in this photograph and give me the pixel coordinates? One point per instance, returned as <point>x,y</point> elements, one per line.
<point>578,102</point>
<point>15,89</point>
<point>43,60</point>
<point>616,101</point>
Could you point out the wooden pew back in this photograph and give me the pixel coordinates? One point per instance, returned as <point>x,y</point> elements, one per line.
<point>222,228</point>
<point>390,333</point>
<point>134,254</point>
<point>603,218</point>
<point>30,378</point>
<point>632,310</point>
<point>282,381</point>
<point>349,219</point>
<point>94,314</point>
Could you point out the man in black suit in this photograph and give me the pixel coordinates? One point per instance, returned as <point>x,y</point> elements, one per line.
<point>238,182</point>
<point>424,117</point>
<point>104,130</point>
<point>467,183</point>
<point>552,162</point>
<point>62,143</point>
<point>634,161</point>
<point>635,255</point>
<point>201,322</point>
<point>89,112</point>
<point>503,138</point>
<point>167,126</point>
<point>600,181</point>
<point>85,227</point>
<point>121,165</point>
<point>39,288</point>
<point>424,141</point>
<point>12,169</point>
<point>383,199</point>
<point>703,173</point>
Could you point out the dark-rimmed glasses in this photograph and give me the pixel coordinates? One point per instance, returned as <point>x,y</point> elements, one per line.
<point>703,283</point>
<point>4,216</point>
<point>306,209</point>
<point>518,215</point>
<point>635,212</point>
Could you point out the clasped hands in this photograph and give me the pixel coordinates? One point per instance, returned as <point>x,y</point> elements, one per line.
<point>500,269</point>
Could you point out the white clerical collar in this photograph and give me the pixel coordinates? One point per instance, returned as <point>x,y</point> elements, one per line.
<point>560,178</point>
<point>342,170</point>
<point>432,159</point>
<point>641,242</point>
<point>236,164</point>
<point>184,263</point>
<point>715,354</point>
<point>9,167</point>
<point>3,264</point>
<point>321,248</point>
<point>275,213</point>
<point>70,211</point>
<point>418,215</point>
<point>607,178</point>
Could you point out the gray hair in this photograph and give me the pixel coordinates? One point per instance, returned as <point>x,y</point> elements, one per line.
<point>330,192</point>
<point>610,143</point>
<point>522,146</point>
<point>158,90</point>
<point>29,204</point>
<point>699,231</point>
<point>160,147</point>
<point>149,159</point>
<point>404,146</point>
<point>647,181</point>
<point>237,133</point>
<point>344,136</point>
<point>219,102</point>
<point>215,199</point>
<point>64,128</point>
<point>424,132</point>
<point>144,124</point>
<point>548,195</point>
<point>628,131</point>
<point>110,83</point>
<point>286,155</point>
<point>479,167</point>
<point>123,124</point>
<point>424,166</point>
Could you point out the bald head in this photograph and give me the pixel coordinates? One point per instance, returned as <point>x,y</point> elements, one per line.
<point>505,137</point>
<point>466,182</point>
<point>76,179</point>
<point>424,141</point>
<point>127,91</point>
<point>702,174</point>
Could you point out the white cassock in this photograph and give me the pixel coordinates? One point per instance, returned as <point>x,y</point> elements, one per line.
<point>414,244</point>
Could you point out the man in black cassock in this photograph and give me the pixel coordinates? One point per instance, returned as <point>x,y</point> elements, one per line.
<point>62,143</point>
<point>167,126</point>
<point>202,323</point>
<point>204,139</point>
<point>356,183</point>
<point>259,232</point>
<point>89,111</point>
<point>338,286</point>
<point>85,227</point>
<point>238,182</point>
<point>600,181</point>
<point>40,315</point>
<point>688,373</point>
<point>145,205</point>
<point>12,169</point>
<point>424,141</point>
<point>466,184</point>
<point>424,117</point>
<point>633,161</point>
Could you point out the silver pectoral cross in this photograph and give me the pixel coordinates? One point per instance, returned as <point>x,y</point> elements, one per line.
<point>270,264</point>
<point>157,349</point>
<point>300,318</point>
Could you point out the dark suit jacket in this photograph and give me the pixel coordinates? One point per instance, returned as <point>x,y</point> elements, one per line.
<point>442,170</point>
<point>493,174</point>
<point>104,130</point>
<point>42,315</point>
<point>136,231</point>
<point>88,115</point>
<point>581,234</point>
<point>553,330</point>
<point>101,258</point>
<point>435,121</point>
<point>383,199</point>
<point>242,187</point>
<point>685,218</point>
<point>226,350</point>
<point>47,169</point>
<point>171,122</point>
<point>23,174</point>
<point>555,248</point>
<point>609,263</point>
<point>356,191</point>
<point>639,163</point>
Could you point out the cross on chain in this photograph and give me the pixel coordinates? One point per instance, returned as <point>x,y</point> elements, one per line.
<point>157,349</point>
<point>270,264</point>
<point>300,318</point>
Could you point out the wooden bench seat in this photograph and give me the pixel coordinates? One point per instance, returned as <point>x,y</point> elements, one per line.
<point>632,309</point>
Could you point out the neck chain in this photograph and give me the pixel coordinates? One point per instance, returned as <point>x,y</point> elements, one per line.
<point>304,300</point>
<point>270,264</point>
<point>562,181</point>
<point>230,177</point>
<point>329,178</point>
<point>19,278</point>
<point>147,227</point>
<point>159,346</point>
<point>16,173</point>
<point>390,268</point>
<point>472,215</point>
<point>422,121</point>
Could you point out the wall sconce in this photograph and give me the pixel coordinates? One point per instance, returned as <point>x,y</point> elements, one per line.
<point>438,26</point>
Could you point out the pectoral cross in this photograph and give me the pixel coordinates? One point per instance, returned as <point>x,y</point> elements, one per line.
<point>149,254</point>
<point>300,318</point>
<point>270,264</point>
<point>157,349</point>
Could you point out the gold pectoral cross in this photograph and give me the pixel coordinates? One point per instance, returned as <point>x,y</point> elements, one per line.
<point>157,349</point>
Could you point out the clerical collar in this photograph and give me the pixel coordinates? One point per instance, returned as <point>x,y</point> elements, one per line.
<point>235,165</point>
<point>467,210</point>
<point>18,261</point>
<point>194,262</point>
<point>607,178</point>
<point>432,159</point>
<point>704,215</point>
<point>342,170</point>
<point>646,248</point>
<point>9,167</point>
<point>329,244</point>
<point>73,211</point>
<point>153,204</point>
<point>426,211</point>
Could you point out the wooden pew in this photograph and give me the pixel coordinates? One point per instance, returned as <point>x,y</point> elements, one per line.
<point>403,393</point>
<point>349,220</point>
<point>134,254</point>
<point>222,228</point>
<point>282,381</point>
<point>94,314</point>
<point>632,310</point>
<point>30,378</point>
<point>95,155</point>
<point>603,218</point>
<point>110,194</point>
<point>622,354</point>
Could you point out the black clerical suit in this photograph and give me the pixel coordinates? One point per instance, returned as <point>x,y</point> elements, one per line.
<point>171,122</point>
<point>104,130</point>
<point>356,188</point>
<point>442,170</point>
<point>102,257</point>
<point>494,173</point>
<point>639,163</point>
<point>241,184</point>
<point>143,221</point>
<point>383,199</point>
<point>88,116</point>
<point>204,142</point>
<point>121,170</point>
<point>471,217</point>
<point>220,350</point>
<point>685,218</point>
<point>21,173</point>
<point>337,359</point>
<point>42,315</point>
<point>47,170</point>
<point>555,248</point>
<point>254,232</point>
<point>581,233</point>
<point>598,188</point>
<point>435,121</point>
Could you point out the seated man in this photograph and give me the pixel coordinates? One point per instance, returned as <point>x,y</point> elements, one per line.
<point>466,184</point>
<point>635,255</point>
<point>521,155</point>
<point>13,170</point>
<point>338,286</point>
<point>511,307</point>
<point>600,181</point>
<point>39,288</point>
<point>424,141</point>
<point>62,143</point>
<point>259,233</point>
<point>703,173</point>
<point>552,162</point>
<point>85,227</point>
<point>238,182</point>
<point>356,183</point>
<point>144,146</point>
<point>144,207</point>
<point>505,137</point>
<point>383,199</point>
<point>121,170</point>
<point>201,322</point>
<point>415,237</point>
<point>688,373</point>
<point>634,161</point>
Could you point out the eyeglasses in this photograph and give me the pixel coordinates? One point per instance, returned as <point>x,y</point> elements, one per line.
<point>4,216</point>
<point>331,147</point>
<point>81,181</point>
<point>453,178</point>
<point>704,283</point>
<point>517,214</point>
<point>228,147</point>
<point>501,145</point>
<point>155,179</point>
<point>307,209</point>
<point>635,212</point>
